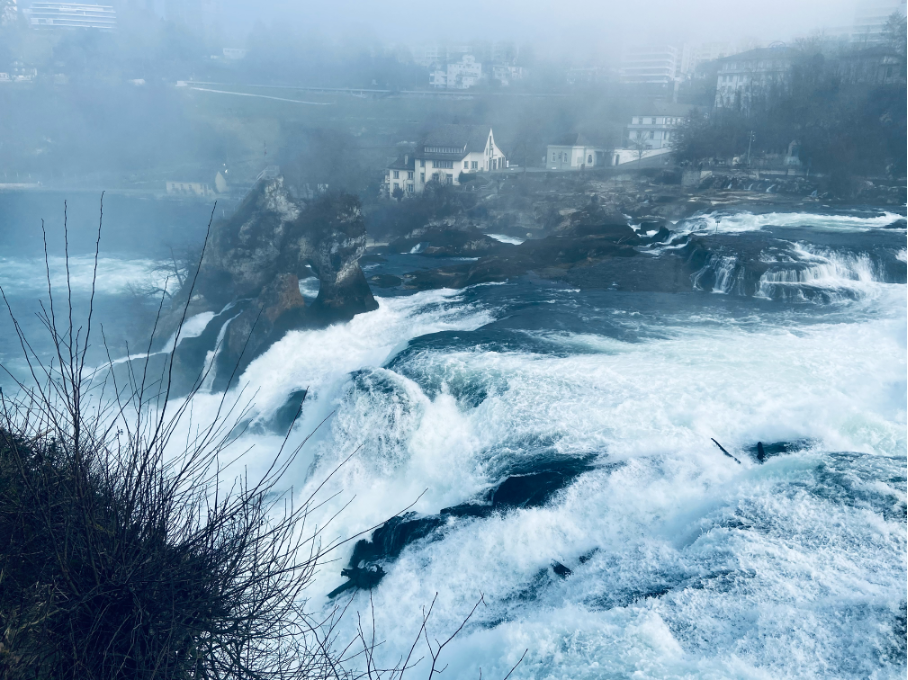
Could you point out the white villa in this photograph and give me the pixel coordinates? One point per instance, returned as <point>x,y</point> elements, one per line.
<point>460,75</point>
<point>655,132</point>
<point>574,152</point>
<point>442,155</point>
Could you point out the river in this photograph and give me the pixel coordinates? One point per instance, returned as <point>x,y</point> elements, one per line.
<point>680,562</point>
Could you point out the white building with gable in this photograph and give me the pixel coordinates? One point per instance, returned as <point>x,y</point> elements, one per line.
<point>442,155</point>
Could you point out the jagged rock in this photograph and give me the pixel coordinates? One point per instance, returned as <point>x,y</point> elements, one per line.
<point>385,280</point>
<point>445,240</point>
<point>255,259</point>
<point>760,452</point>
<point>530,486</point>
<point>583,238</point>
<point>561,570</point>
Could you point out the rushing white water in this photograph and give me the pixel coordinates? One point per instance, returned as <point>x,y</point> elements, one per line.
<point>309,287</point>
<point>729,276</point>
<point>115,276</point>
<point>741,222</point>
<point>507,239</point>
<point>759,571</point>
<point>209,370</point>
<point>835,274</point>
<point>685,564</point>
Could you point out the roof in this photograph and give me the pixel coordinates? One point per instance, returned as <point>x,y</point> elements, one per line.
<point>761,53</point>
<point>464,138</point>
<point>664,108</point>
<point>404,162</point>
<point>573,139</point>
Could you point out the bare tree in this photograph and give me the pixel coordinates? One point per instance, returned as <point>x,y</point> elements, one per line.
<point>128,552</point>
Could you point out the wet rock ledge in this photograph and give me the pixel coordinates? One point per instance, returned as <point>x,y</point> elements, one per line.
<point>251,270</point>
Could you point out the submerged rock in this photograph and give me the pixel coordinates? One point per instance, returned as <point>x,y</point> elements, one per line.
<point>530,486</point>
<point>561,570</point>
<point>448,241</point>
<point>760,452</point>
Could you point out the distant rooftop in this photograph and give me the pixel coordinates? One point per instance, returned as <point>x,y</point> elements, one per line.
<point>456,139</point>
<point>71,15</point>
<point>573,139</point>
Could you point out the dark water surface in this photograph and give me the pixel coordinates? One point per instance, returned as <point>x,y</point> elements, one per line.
<point>679,561</point>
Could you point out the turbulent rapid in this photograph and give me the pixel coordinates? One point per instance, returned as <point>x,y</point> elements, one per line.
<point>675,560</point>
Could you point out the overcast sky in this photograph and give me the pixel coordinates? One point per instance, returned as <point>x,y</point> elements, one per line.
<point>554,24</point>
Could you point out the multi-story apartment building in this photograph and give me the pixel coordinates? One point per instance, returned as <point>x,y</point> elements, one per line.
<point>692,55</point>
<point>649,65</point>
<point>751,77</point>
<point>52,15</point>
<point>459,75</point>
<point>870,19</point>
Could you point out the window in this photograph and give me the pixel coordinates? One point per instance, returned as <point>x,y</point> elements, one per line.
<point>448,165</point>
<point>409,188</point>
<point>410,175</point>
<point>450,179</point>
<point>434,176</point>
<point>422,177</point>
<point>422,164</point>
<point>396,175</point>
<point>466,165</point>
<point>397,185</point>
<point>475,165</point>
<point>589,159</point>
<point>553,156</point>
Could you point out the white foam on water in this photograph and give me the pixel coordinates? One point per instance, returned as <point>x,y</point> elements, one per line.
<point>193,327</point>
<point>836,273</point>
<point>209,370</point>
<point>309,287</point>
<point>741,222</point>
<point>115,276</point>
<point>507,239</point>
<point>322,361</point>
<point>729,276</point>
<point>760,571</point>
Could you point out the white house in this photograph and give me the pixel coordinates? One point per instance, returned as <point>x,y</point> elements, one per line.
<point>442,155</point>
<point>464,73</point>
<point>574,152</point>
<point>458,75</point>
<point>507,74</point>
<point>401,174</point>
<point>655,131</point>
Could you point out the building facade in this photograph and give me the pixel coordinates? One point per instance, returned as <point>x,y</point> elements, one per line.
<point>654,131</point>
<point>54,15</point>
<point>574,152</point>
<point>649,65</point>
<point>747,79</point>
<point>442,155</point>
<point>460,75</point>
<point>692,55</point>
<point>870,19</point>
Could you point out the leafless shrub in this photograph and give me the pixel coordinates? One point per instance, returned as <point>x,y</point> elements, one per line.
<point>128,554</point>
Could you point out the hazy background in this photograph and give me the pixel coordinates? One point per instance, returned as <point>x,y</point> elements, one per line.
<point>555,27</point>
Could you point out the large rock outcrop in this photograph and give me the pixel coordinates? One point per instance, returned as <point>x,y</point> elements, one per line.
<point>254,261</point>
